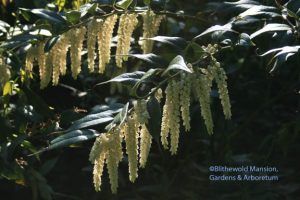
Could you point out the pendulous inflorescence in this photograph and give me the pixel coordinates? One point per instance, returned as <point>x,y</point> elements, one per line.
<point>151,23</point>
<point>127,24</point>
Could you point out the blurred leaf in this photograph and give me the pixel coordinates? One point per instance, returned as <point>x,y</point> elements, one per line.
<point>8,88</point>
<point>261,10</point>
<point>73,134</point>
<point>271,28</point>
<point>124,4</point>
<point>51,16</point>
<point>50,43</point>
<point>48,166</point>
<point>73,16</point>
<point>60,4</point>
<point>37,102</point>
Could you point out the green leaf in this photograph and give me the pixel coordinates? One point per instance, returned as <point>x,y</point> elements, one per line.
<point>50,43</point>
<point>155,114</point>
<point>147,2</point>
<point>150,58</point>
<point>178,64</point>
<point>293,6</point>
<point>271,28</point>
<point>260,10</point>
<point>73,16</point>
<point>177,42</point>
<point>124,4</point>
<point>38,103</point>
<point>92,120</point>
<point>72,138</point>
<point>217,28</point>
<point>74,133</point>
<point>8,88</point>
<point>126,78</point>
<point>119,118</point>
<point>51,16</point>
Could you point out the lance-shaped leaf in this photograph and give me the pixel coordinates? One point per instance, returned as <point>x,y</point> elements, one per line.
<point>260,10</point>
<point>126,78</point>
<point>51,16</point>
<point>150,58</point>
<point>177,42</point>
<point>217,28</point>
<point>124,4</point>
<point>92,120</point>
<point>271,28</point>
<point>72,137</point>
<point>177,64</point>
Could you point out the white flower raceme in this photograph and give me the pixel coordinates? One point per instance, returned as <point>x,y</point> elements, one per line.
<point>59,56</point>
<point>185,93</point>
<point>140,110</point>
<point>131,139</point>
<point>171,117</point>
<point>127,24</point>
<point>145,145</point>
<point>76,36</point>
<point>107,149</point>
<point>104,41</point>
<point>151,23</point>
<point>221,80</point>
<point>202,82</point>
<point>92,30</point>
<point>41,57</point>
<point>31,55</point>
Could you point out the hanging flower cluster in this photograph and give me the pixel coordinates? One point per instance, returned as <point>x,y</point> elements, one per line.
<point>178,98</point>
<point>4,72</point>
<point>108,147</point>
<point>150,29</point>
<point>98,34</point>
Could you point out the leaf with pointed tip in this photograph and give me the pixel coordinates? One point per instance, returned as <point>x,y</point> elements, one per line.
<point>72,134</point>
<point>271,28</point>
<point>217,28</point>
<point>92,120</point>
<point>174,41</point>
<point>178,64</point>
<point>150,58</point>
<point>124,4</point>
<point>126,78</point>
<point>72,138</point>
<point>50,43</point>
<point>51,16</point>
<point>73,16</point>
<point>261,10</point>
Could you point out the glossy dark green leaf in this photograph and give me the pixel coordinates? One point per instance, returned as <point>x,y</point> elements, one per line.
<point>92,120</point>
<point>51,16</point>
<point>126,78</point>
<point>73,137</point>
<point>150,58</point>
<point>154,122</point>
<point>217,28</point>
<point>271,28</point>
<point>177,63</point>
<point>50,43</point>
<point>178,42</point>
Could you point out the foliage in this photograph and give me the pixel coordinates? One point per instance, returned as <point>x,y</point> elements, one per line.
<point>257,45</point>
